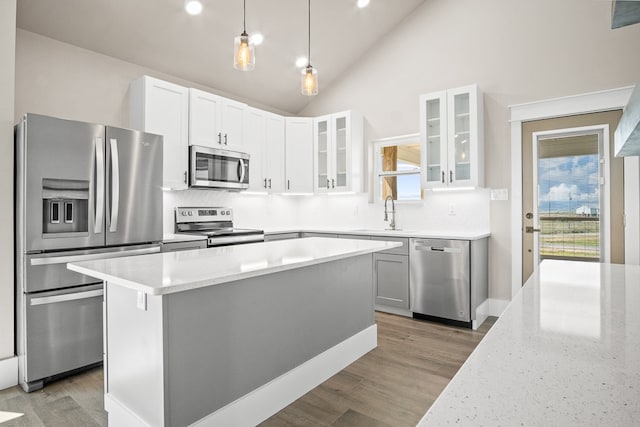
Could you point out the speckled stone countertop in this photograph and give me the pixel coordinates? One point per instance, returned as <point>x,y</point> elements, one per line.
<point>566,352</point>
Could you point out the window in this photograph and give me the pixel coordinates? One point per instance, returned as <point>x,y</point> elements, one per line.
<point>397,168</point>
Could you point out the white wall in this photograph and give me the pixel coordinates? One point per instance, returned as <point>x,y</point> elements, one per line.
<point>7,59</point>
<point>517,51</point>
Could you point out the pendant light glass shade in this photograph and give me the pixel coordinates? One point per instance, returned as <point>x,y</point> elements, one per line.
<point>244,57</point>
<point>244,50</point>
<point>309,81</point>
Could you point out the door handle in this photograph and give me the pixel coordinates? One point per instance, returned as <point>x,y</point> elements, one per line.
<point>99,214</point>
<point>241,168</point>
<point>67,297</point>
<point>115,185</point>
<point>530,229</point>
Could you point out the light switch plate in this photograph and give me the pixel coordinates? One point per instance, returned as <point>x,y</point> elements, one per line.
<point>500,194</point>
<point>141,301</point>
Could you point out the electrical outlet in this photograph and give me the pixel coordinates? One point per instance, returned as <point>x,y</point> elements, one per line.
<point>141,301</point>
<point>452,210</point>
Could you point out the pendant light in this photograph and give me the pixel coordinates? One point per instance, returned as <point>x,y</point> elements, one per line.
<point>309,74</point>
<point>244,55</point>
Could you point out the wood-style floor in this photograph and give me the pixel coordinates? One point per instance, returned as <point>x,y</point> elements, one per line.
<point>393,385</point>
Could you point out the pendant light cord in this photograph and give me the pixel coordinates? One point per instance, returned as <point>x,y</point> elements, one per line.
<point>244,16</point>
<point>309,36</point>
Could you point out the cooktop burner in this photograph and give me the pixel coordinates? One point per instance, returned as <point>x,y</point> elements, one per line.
<point>215,223</point>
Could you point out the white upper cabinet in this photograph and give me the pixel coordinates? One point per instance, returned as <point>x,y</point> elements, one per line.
<point>298,155</point>
<point>215,121</point>
<point>162,108</point>
<point>264,141</point>
<point>452,135</point>
<point>274,156</point>
<point>338,148</point>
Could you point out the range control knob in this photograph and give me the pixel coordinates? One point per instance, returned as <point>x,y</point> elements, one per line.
<point>190,213</point>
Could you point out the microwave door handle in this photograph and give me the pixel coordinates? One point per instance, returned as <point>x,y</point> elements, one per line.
<point>115,185</point>
<point>241,168</point>
<point>99,214</point>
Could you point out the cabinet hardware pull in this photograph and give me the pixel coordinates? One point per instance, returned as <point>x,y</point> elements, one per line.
<point>225,139</point>
<point>450,176</point>
<point>265,183</point>
<point>185,177</point>
<point>443,177</point>
<point>219,137</point>
<point>288,185</point>
<point>269,182</point>
<point>328,183</point>
<point>333,183</point>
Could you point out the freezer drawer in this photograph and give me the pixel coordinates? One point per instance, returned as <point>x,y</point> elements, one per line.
<point>49,271</point>
<point>439,278</point>
<point>64,331</point>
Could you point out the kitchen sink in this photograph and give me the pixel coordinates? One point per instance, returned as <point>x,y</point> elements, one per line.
<point>376,230</point>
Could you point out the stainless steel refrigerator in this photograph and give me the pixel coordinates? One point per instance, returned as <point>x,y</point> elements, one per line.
<point>83,191</point>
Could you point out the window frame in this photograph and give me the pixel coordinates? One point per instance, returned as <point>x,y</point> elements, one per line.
<point>377,174</point>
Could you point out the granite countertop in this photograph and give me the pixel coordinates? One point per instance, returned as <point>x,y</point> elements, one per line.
<point>424,234</point>
<point>170,272</point>
<point>566,351</point>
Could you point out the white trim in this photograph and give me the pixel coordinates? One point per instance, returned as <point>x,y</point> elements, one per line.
<point>8,372</point>
<point>572,105</point>
<point>490,307</point>
<point>632,210</point>
<point>376,174</point>
<point>120,415</point>
<point>260,404</point>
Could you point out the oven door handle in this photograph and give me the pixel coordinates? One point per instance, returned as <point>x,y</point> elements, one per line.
<point>67,297</point>
<point>241,170</point>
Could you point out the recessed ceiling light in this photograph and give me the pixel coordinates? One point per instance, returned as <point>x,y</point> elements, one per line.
<point>301,61</point>
<point>193,7</point>
<point>257,38</point>
<point>363,3</point>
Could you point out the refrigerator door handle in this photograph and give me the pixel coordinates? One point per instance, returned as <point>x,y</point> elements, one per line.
<point>99,218</point>
<point>67,297</point>
<point>90,257</point>
<point>115,185</point>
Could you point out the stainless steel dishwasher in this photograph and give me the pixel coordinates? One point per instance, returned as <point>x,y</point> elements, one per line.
<point>447,279</point>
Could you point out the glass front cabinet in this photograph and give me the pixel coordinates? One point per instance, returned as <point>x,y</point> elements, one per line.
<point>451,131</point>
<point>338,151</point>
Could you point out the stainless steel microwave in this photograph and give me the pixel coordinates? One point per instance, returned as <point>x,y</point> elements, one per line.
<point>216,168</point>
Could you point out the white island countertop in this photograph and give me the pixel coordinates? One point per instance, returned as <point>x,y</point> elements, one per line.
<point>566,352</point>
<point>169,272</point>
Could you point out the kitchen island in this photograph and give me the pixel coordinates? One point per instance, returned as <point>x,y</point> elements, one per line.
<point>230,335</point>
<point>566,352</point>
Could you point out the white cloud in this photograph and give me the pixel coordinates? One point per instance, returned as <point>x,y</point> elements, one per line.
<point>564,192</point>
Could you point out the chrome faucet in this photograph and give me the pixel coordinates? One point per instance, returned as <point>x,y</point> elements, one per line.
<point>393,212</point>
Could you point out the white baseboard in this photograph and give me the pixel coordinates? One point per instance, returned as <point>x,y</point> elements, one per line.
<point>491,307</point>
<point>120,415</point>
<point>8,372</point>
<point>265,401</point>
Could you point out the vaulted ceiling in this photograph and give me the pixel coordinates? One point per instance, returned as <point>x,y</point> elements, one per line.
<point>160,35</point>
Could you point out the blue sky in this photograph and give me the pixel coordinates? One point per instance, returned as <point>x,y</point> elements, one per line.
<point>566,183</point>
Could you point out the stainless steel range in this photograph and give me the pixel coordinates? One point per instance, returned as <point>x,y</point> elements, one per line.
<point>217,224</point>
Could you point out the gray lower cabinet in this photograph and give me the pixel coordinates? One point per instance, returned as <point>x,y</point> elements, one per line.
<point>280,236</point>
<point>391,280</point>
<point>184,246</point>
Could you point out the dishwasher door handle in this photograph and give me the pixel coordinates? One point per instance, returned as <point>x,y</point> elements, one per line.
<point>426,248</point>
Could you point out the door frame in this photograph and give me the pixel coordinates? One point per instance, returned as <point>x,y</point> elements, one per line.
<point>593,102</point>
<point>605,202</point>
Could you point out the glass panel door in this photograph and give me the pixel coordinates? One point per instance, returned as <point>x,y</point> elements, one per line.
<point>340,144</point>
<point>462,138</point>
<point>434,138</point>
<point>322,154</point>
